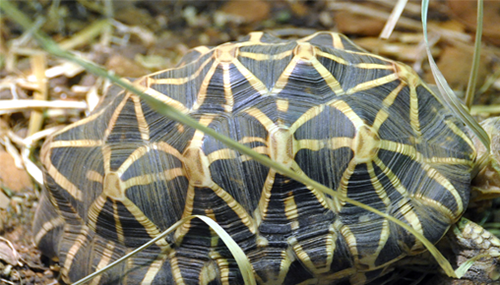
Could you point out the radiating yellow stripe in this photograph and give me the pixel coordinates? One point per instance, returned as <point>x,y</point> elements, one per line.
<point>462,135</point>
<point>348,112</point>
<point>255,37</point>
<point>337,41</point>
<point>176,81</point>
<point>389,100</point>
<point>260,149</point>
<point>332,143</point>
<point>373,83</point>
<point>330,80</point>
<point>253,81</point>
<point>104,260</point>
<point>263,56</point>
<point>333,57</point>
<point>378,57</point>
<point>344,183</point>
<point>396,183</point>
<point>202,49</point>
<point>114,117</point>
<point>266,195</point>
<point>75,143</point>
<point>106,157</point>
<point>443,181</point>
<point>167,100</point>
<point>133,157</point>
<point>220,154</point>
<point>153,270</point>
<point>282,105</point>
<point>365,65</point>
<point>64,182</point>
<point>245,218</point>
<point>362,65</point>
<point>165,147</point>
<point>81,238</point>
<point>176,270</point>
<point>406,210</point>
<point>384,236</point>
<point>141,120</point>
<point>118,225</point>
<point>47,227</point>
<point>228,92</point>
<point>245,140</point>
<point>306,116</point>
<point>381,117</point>
<point>188,211</point>
<point>302,255</point>
<point>202,92</point>
<point>197,140</point>
<point>146,179</point>
<point>448,160</point>
<point>320,196</point>
<point>291,211</point>
<point>282,81</point>
<point>94,211</point>
<point>447,213</point>
<point>406,149</point>
<point>94,176</point>
<point>379,188</point>
<point>414,113</point>
<point>149,226</point>
<point>350,239</point>
<point>431,172</point>
<point>267,123</point>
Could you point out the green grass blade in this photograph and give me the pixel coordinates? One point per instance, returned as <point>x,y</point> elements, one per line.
<point>447,95</point>
<point>471,86</point>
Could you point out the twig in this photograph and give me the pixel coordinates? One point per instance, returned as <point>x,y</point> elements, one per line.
<point>9,106</point>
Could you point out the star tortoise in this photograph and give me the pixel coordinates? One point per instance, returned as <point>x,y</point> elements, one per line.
<point>356,122</point>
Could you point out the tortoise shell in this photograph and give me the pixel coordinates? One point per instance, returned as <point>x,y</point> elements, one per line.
<point>358,123</point>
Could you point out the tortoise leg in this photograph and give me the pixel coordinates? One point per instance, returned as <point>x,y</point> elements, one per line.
<point>464,241</point>
<point>468,240</point>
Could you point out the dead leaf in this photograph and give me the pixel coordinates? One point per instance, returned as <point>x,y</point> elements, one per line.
<point>12,177</point>
<point>8,253</point>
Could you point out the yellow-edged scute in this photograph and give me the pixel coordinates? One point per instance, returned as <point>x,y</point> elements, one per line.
<point>360,124</point>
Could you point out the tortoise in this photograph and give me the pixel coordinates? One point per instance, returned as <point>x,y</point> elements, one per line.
<point>363,125</point>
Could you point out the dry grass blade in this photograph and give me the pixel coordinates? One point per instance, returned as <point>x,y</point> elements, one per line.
<point>33,170</point>
<point>393,19</point>
<point>12,150</point>
<point>403,22</point>
<point>10,106</point>
<point>8,252</point>
<point>481,109</point>
<point>86,35</point>
<point>39,64</point>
